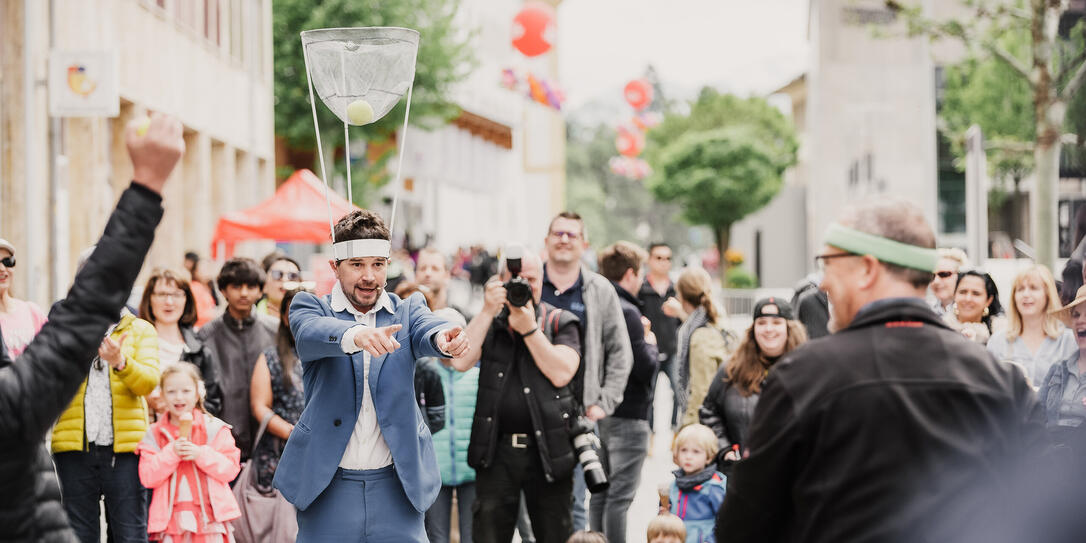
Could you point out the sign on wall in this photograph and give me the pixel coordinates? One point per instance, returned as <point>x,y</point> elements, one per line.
<point>83,84</point>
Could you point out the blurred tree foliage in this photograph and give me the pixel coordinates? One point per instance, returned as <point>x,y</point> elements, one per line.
<point>721,161</point>
<point>613,207</point>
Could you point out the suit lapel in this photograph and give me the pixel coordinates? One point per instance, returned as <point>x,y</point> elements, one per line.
<point>383,319</point>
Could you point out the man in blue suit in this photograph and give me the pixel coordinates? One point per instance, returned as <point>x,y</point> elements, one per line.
<point>359,465</point>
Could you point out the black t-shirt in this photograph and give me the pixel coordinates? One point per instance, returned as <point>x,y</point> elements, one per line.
<point>513,415</point>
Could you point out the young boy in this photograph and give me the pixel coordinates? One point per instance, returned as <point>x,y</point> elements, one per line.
<point>666,528</point>
<point>698,489</point>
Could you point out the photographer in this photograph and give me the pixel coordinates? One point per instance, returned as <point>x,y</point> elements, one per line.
<point>520,436</point>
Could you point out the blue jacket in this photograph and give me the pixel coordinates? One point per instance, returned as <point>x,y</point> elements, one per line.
<point>451,443</point>
<point>697,506</point>
<point>330,377</point>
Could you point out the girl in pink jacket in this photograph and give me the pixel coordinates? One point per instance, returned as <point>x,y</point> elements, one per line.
<point>188,459</point>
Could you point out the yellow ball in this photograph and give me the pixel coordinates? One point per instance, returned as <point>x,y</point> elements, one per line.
<point>141,128</point>
<point>360,112</point>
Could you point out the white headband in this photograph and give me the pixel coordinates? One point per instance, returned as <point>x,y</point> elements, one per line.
<point>360,248</point>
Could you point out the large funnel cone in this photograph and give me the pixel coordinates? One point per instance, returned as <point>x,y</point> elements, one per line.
<point>360,73</point>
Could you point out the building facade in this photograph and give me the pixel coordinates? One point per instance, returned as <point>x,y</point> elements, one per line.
<point>207,62</point>
<point>496,174</point>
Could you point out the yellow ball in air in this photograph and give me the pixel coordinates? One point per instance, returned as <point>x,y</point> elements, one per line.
<point>359,112</point>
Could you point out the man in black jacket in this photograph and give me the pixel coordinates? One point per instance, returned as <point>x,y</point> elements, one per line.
<point>660,304</point>
<point>37,387</point>
<point>894,428</point>
<point>520,435</point>
<point>626,432</point>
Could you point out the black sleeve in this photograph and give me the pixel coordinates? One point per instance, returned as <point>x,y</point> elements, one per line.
<point>36,390</point>
<point>209,370</point>
<point>813,313</point>
<point>568,334</point>
<point>430,396</point>
<point>760,487</point>
<point>711,413</point>
<point>645,359</point>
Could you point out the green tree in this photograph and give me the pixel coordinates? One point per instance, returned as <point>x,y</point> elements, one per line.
<point>721,161</point>
<point>444,58</point>
<point>1050,71</point>
<point>613,207</point>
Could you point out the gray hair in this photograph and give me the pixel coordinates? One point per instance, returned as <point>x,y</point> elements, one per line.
<point>896,219</point>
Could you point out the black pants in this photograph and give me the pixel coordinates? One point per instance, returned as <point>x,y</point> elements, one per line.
<point>497,498</point>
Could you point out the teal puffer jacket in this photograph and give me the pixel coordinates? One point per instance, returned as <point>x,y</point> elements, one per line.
<point>451,443</point>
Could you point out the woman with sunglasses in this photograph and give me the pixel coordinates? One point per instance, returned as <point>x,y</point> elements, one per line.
<point>1035,339</point>
<point>168,303</point>
<point>976,312</point>
<point>20,320</point>
<point>281,269</point>
<point>946,276</point>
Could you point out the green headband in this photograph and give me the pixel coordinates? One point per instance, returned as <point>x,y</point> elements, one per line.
<point>886,250</point>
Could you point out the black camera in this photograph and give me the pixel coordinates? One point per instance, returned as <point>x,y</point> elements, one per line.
<point>587,447</point>
<point>517,290</point>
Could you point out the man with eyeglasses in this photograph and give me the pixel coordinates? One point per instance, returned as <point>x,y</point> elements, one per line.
<point>606,352</point>
<point>894,428</point>
<point>660,304</point>
<point>238,337</point>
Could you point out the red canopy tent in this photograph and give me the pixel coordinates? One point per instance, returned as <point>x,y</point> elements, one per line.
<point>297,212</point>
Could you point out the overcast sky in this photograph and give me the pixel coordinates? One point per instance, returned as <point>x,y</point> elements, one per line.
<point>741,46</point>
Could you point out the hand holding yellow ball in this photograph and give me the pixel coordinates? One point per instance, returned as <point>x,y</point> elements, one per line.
<point>141,129</point>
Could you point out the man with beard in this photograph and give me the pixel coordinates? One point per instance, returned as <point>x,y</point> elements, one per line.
<point>894,428</point>
<point>360,464</point>
<point>238,337</point>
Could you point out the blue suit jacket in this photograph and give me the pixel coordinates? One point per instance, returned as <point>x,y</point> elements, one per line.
<point>333,384</point>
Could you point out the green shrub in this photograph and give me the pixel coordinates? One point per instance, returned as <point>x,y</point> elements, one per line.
<point>739,278</point>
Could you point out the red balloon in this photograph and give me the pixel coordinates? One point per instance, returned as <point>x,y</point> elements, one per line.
<point>638,93</point>
<point>629,142</point>
<point>533,29</point>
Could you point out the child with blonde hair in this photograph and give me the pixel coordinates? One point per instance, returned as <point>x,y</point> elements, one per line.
<point>698,489</point>
<point>188,459</point>
<point>666,528</point>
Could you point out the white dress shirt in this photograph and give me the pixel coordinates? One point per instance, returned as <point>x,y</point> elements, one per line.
<point>367,448</point>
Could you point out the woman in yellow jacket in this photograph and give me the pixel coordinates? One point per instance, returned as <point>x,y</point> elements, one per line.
<point>95,439</point>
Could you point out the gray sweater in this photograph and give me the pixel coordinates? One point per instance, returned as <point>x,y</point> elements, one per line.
<point>607,355</point>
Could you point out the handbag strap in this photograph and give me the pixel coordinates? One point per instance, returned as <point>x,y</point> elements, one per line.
<point>260,432</point>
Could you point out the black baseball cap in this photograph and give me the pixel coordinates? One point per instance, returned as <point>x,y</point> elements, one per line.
<point>773,307</point>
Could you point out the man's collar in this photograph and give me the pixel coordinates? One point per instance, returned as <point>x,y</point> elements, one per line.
<point>627,295</point>
<point>340,302</point>
<point>903,308</point>
<point>249,319</point>
<point>576,284</point>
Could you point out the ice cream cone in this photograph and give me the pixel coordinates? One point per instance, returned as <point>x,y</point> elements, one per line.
<point>185,425</point>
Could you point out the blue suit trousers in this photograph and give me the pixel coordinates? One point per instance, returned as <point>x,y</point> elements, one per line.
<point>362,506</point>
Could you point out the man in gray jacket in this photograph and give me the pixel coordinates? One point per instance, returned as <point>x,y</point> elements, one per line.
<point>606,353</point>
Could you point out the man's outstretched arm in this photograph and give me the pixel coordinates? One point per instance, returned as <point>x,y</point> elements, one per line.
<point>37,387</point>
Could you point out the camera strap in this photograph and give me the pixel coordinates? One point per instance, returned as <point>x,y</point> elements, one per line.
<point>550,323</point>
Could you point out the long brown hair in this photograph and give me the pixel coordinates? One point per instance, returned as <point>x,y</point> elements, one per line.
<point>284,341</point>
<point>696,288</point>
<point>748,366</point>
